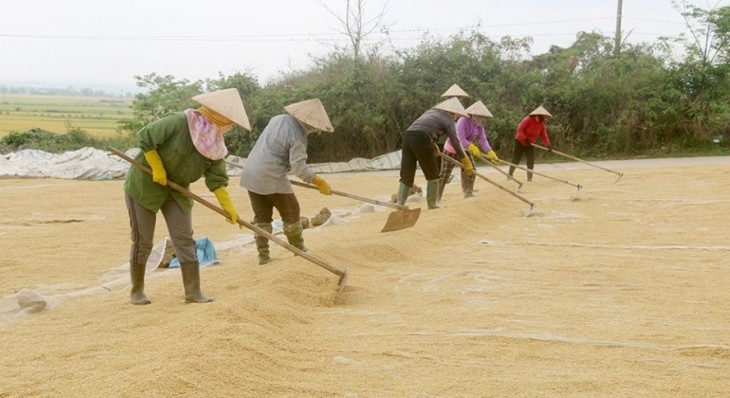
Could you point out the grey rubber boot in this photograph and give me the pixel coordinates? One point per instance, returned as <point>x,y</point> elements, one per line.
<point>191,282</point>
<point>136,273</point>
<point>402,193</point>
<point>262,243</point>
<point>529,176</point>
<point>294,235</point>
<point>432,188</point>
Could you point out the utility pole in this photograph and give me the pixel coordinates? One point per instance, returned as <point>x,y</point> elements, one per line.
<point>617,39</point>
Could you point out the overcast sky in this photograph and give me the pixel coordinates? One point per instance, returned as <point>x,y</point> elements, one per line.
<point>100,42</point>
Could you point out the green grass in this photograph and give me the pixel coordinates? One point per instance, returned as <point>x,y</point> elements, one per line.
<point>98,116</point>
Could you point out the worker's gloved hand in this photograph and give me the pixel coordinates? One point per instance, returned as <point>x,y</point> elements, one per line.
<point>468,167</point>
<point>324,187</point>
<point>550,148</point>
<point>474,150</point>
<point>227,204</point>
<point>159,175</point>
<point>436,150</point>
<point>492,156</point>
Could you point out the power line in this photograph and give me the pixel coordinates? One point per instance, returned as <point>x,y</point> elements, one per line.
<point>333,37</point>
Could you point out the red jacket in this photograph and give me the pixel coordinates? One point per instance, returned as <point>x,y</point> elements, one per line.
<point>529,129</point>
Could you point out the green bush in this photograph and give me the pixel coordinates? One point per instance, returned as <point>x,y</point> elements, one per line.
<point>74,139</point>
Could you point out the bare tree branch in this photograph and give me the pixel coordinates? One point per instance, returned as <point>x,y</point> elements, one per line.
<point>354,24</point>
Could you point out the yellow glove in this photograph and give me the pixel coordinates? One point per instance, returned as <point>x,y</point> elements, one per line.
<point>324,187</point>
<point>436,150</point>
<point>474,150</point>
<point>159,175</point>
<point>227,204</point>
<point>468,167</point>
<point>493,157</point>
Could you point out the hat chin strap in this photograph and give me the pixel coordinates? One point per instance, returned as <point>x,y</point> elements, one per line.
<point>215,117</point>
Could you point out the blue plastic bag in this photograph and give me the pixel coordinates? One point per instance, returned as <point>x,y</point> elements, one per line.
<point>205,251</point>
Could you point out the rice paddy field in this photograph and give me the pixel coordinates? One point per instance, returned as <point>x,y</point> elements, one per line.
<point>98,116</point>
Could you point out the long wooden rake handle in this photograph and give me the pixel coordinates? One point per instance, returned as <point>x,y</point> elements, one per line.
<point>506,174</point>
<point>342,274</point>
<point>565,155</point>
<point>457,163</point>
<point>540,174</point>
<point>353,196</point>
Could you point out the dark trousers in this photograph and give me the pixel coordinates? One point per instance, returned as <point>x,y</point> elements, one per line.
<point>285,203</point>
<point>529,152</point>
<point>417,149</point>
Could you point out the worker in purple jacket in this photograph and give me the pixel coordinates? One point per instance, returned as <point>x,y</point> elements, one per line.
<point>470,130</point>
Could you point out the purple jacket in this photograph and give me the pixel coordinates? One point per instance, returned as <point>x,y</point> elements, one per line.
<point>469,131</point>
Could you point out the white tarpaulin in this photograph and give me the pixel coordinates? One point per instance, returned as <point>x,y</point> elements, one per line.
<point>83,164</point>
<point>95,164</point>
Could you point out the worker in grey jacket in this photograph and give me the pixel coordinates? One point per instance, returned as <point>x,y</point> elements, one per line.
<point>281,148</point>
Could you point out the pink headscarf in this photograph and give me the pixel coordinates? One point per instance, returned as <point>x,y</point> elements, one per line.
<point>207,137</point>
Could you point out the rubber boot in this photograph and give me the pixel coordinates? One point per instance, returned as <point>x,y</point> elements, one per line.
<point>467,184</point>
<point>191,282</point>
<point>262,243</point>
<point>529,176</point>
<point>402,193</point>
<point>294,235</point>
<point>432,188</point>
<point>136,272</point>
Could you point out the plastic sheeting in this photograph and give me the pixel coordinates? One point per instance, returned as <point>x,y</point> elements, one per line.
<point>95,164</point>
<point>83,164</point>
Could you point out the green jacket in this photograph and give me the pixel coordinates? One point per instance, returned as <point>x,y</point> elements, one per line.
<point>170,136</point>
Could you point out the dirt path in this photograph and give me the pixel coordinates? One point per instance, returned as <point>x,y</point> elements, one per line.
<point>620,291</point>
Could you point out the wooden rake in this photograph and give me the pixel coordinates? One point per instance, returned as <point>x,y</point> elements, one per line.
<point>402,218</point>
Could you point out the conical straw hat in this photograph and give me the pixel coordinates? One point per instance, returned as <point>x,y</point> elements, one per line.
<point>227,103</point>
<point>312,113</point>
<point>540,111</point>
<point>452,105</point>
<point>455,91</point>
<point>479,109</point>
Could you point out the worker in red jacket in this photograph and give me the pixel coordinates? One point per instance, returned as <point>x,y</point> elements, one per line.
<point>529,129</point>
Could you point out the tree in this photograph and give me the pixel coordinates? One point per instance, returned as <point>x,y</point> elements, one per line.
<point>355,24</point>
<point>709,28</point>
<point>165,95</point>
<point>704,74</point>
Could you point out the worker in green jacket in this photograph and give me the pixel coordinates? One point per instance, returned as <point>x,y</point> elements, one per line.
<point>181,147</point>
